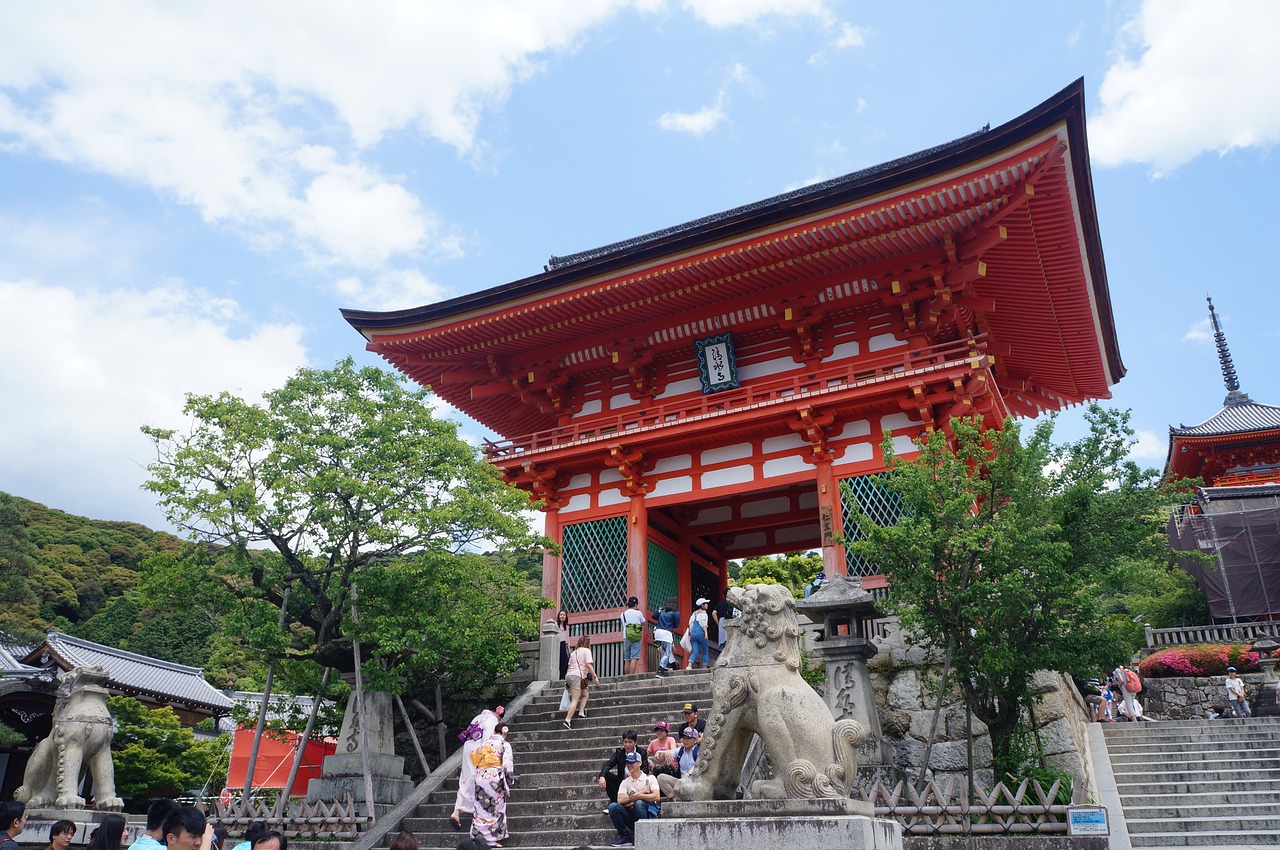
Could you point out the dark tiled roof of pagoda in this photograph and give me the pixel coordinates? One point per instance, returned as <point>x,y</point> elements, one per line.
<point>1067,106</point>
<point>140,674</point>
<point>1248,491</point>
<point>1240,417</point>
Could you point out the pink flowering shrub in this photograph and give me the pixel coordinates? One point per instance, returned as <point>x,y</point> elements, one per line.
<point>1201,660</point>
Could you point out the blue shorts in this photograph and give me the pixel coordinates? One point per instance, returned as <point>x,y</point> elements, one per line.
<point>630,649</point>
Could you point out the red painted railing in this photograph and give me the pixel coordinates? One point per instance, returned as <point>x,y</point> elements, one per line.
<point>757,394</point>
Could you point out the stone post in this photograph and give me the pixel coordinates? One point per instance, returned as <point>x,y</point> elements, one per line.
<point>841,604</point>
<point>343,772</point>
<point>549,652</point>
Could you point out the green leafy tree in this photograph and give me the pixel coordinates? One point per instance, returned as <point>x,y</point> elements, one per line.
<point>156,756</point>
<point>1001,550</point>
<point>17,568</point>
<point>339,470</point>
<point>793,570</point>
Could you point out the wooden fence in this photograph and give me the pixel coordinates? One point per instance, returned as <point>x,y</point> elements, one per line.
<point>298,820</point>
<point>947,810</point>
<point>1229,633</point>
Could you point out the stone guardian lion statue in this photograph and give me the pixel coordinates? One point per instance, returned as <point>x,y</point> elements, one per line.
<point>756,688</point>
<point>81,737</point>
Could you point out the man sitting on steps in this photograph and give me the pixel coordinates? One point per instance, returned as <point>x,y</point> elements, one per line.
<point>637,800</point>
<point>614,770</point>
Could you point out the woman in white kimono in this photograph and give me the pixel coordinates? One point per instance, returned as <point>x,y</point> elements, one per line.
<point>477,733</point>
<point>494,771</point>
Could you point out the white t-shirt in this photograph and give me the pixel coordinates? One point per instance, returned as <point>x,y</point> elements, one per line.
<point>578,661</point>
<point>1235,688</point>
<point>634,786</point>
<point>631,616</point>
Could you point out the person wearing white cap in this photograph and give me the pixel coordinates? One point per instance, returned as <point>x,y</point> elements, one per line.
<point>698,635</point>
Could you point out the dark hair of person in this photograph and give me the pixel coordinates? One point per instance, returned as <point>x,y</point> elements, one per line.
<point>10,811</point>
<point>110,834</point>
<point>158,812</point>
<point>562,615</point>
<point>501,727</point>
<point>673,603</point>
<point>219,837</point>
<point>186,819</point>
<point>404,840</point>
<point>61,826</point>
<point>255,831</point>
<point>629,735</point>
<point>584,640</point>
<point>270,834</point>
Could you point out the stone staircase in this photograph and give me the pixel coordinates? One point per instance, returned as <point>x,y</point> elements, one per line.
<point>555,802</point>
<point>1198,783</point>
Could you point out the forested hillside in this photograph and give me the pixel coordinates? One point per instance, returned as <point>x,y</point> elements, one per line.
<point>80,576</point>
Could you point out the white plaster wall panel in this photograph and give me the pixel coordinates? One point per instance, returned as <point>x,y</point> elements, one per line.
<point>902,445</point>
<point>881,342</point>
<point>844,350</point>
<point>672,464</point>
<point>622,400</point>
<point>808,500</point>
<point>856,452</point>
<point>898,422</point>
<point>579,482</point>
<point>589,407</point>
<point>721,454</point>
<point>784,443</point>
<point>707,516</point>
<point>765,368</point>
<point>785,466</point>
<point>678,485</point>
<point>675,388</point>
<point>610,476</point>
<point>580,502</point>
<point>857,428</point>
<point>749,541</point>
<point>612,496</point>
<point>728,475</point>
<point>766,507</point>
<point>797,534</point>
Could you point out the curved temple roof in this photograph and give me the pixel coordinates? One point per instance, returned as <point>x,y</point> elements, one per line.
<point>1047,305</point>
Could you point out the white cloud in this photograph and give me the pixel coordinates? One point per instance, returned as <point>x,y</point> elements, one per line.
<point>1149,446</point>
<point>396,289</point>
<point>95,366</point>
<point>852,36</point>
<point>1073,37</point>
<point>724,13</point>
<point>1201,331</point>
<point>1190,77</point>
<point>708,118</point>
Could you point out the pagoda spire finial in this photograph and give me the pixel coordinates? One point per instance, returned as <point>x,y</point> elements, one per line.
<point>1234,396</point>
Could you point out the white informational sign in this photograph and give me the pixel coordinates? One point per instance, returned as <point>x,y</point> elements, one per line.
<point>1087,820</point>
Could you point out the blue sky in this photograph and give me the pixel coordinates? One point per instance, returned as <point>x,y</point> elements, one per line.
<point>189,192</point>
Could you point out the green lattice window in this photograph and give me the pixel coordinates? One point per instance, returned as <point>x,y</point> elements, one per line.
<point>868,494</point>
<point>594,565</point>
<point>663,579</point>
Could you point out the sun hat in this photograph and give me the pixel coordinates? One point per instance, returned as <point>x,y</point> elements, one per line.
<point>661,724</point>
<point>702,600</point>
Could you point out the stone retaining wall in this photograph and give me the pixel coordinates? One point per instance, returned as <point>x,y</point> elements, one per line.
<point>1192,697</point>
<point>905,681</point>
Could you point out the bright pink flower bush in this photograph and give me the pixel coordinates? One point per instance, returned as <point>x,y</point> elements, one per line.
<point>1201,660</point>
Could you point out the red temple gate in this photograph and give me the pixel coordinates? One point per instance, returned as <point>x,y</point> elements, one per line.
<point>697,394</point>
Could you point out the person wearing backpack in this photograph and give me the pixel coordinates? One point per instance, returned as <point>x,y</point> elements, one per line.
<point>632,635</point>
<point>1130,685</point>
<point>666,621</point>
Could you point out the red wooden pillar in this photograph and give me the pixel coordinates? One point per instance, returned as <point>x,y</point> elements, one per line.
<point>638,557</point>
<point>550,560</point>
<point>830,518</point>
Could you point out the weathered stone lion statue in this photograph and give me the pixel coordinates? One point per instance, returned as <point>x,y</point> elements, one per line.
<point>81,737</point>
<point>756,688</point>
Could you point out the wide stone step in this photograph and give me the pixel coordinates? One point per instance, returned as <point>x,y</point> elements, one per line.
<point>1199,756</point>
<point>1260,741</point>
<point>443,838</point>
<point>1218,784</point>
<point>1257,823</point>
<point>1219,840</point>
<point>1184,809</point>
<point>1189,727</point>
<point>1226,761</point>
<point>552,794</point>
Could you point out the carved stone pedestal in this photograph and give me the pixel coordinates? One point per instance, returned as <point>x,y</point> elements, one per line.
<point>41,818</point>
<point>343,772</point>
<point>768,825</point>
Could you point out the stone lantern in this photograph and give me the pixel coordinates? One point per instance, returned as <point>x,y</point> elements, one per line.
<point>845,608</point>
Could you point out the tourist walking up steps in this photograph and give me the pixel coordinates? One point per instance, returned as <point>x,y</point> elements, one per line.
<point>1129,683</point>
<point>700,652</point>
<point>1236,703</point>
<point>493,778</point>
<point>582,669</point>
<point>666,621</point>
<point>632,636</point>
<point>476,733</point>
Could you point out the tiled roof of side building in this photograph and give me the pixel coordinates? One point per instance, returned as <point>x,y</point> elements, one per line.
<point>11,659</point>
<point>1236,418</point>
<point>139,673</point>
